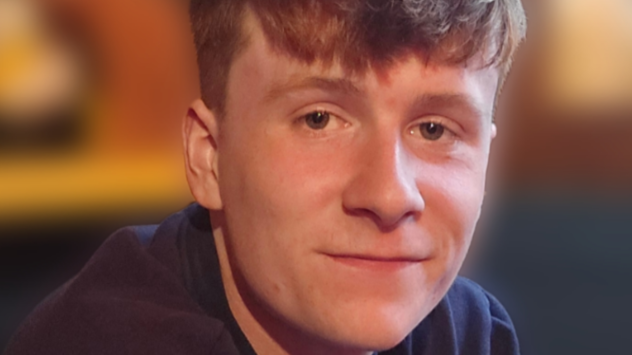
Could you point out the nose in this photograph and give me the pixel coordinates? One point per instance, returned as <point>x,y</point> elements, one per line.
<point>384,186</point>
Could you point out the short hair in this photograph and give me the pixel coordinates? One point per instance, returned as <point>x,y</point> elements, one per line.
<point>356,33</point>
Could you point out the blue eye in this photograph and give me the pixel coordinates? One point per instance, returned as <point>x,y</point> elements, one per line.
<point>317,120</point>
<point>431,131</point>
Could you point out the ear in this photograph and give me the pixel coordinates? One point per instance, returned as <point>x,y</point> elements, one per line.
<point>200,133</point>
<point>494,131</point>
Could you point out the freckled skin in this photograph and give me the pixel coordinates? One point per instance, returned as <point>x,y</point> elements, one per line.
<point>287,201</point>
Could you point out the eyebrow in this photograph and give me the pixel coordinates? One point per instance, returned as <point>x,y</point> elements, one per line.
<point>449,101</point>
<point>428,101</point>
<point>335,85</point>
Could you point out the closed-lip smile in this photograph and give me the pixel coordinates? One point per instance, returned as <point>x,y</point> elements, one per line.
<point>376,263</point>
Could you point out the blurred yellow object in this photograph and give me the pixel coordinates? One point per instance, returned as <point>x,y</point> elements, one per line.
<point>588,54</point>
<point>67,186</point>
<point>142,78</point>
<point>17,56</point>
<point>38,73</point>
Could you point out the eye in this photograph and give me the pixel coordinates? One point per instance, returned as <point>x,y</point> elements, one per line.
<point>317,120</point>
<point>430,130</point>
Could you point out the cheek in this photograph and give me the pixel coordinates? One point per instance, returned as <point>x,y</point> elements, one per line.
<point>290,198</point>
<point>453,194</point>
<point>286,176</point>
<point>285,188</point>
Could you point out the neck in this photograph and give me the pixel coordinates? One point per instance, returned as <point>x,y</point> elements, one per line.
<point>266,332</point>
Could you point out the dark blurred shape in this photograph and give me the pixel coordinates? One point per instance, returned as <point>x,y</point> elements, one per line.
<point>560,262</point>
<point>38,256</point>
<point>56,132</point>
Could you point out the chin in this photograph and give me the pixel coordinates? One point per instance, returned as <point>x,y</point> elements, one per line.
<point>376,330</point>
<point>381,340</point>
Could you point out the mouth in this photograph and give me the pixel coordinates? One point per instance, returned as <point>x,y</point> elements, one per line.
<point>376,263</point>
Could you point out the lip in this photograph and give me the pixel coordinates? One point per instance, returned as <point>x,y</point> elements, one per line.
<point>375,263</point>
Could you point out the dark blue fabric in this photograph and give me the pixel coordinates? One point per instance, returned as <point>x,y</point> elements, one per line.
<point>162,294</point>
<point>145,234</point>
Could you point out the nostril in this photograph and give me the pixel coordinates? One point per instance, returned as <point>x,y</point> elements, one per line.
<point>387,201</point>
<point>388,219</point>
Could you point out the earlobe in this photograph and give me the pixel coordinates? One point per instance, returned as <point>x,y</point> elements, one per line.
<point>200,133</point>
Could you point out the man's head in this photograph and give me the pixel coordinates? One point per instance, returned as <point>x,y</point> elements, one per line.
<point>356,33</point>
<point>341,148</point>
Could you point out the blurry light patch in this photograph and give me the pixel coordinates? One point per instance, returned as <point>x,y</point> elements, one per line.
<point>42,80</point>
<point>587,55</point>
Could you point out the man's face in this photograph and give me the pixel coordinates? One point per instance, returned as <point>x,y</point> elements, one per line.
<point>349,202</point>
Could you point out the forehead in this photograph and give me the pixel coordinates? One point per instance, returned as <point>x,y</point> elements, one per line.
<point>278,72</point>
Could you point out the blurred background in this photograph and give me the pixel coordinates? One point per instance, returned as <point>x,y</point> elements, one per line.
<point>91,94</point>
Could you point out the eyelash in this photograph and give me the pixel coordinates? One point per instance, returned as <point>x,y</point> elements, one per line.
<point>331,118</point>
<point>447,133</point>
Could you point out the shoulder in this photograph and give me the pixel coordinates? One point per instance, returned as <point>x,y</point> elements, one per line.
<point>124,301</point>
<point>470,301</point>
<point>467,297</point>
<point>468,320</point>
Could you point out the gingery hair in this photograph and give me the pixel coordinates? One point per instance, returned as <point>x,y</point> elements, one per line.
<point>356,33</point>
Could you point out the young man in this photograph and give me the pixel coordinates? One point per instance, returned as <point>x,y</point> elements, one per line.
<point>340,150</point>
